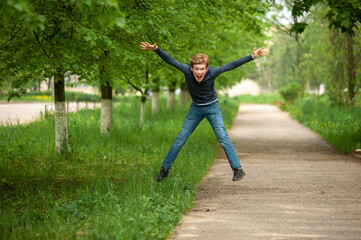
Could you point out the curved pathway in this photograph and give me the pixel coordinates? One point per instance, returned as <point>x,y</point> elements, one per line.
<point>296,186</point>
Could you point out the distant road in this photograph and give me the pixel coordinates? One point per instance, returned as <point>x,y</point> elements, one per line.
<point>24,112</point>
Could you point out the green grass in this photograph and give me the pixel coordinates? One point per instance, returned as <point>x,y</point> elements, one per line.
<point>39,98</point>
<point>266,98</point>
<point>104,189</point>
<point>338,125</point>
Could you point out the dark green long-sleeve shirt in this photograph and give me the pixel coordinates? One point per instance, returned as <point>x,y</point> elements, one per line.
<point>202,93</point>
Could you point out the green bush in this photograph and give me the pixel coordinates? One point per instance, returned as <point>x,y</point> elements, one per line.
<point>290,92</point>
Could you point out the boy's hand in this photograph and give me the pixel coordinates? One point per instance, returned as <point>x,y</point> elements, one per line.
<point>258,52</point>
<point>147,46</point>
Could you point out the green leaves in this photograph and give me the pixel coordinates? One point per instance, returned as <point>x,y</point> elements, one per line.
<point>345,15</point>
<point>342,14</point>
<point>88,37</point>
<point>16,93</point>
<point>75,67</point>
<point>298,27</point>
<point>120,21</point>
<point>21,6</point>
<point>41,36</point>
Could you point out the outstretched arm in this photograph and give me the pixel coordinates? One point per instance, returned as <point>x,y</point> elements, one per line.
<point>237,63</point>
<point>165,56</point>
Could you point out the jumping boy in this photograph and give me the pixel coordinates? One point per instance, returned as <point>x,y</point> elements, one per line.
<point>200,81</point>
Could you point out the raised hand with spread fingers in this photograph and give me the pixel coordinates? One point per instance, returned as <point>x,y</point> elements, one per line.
<point>259,52</point>
<point>147,46</point>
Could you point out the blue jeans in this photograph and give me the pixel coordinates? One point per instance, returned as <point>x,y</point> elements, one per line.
<point>195,115</point>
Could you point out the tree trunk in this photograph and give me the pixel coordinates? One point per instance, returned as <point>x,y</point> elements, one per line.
<point>35,86</point>
<point>49,84</point>
<point>171,95</point>
<point>351,67</point>
<point>155,102</point>
<point>298,73</point>
<point>143,98</point>
<point>184,95</point>
<point>61,126</point>
<point>171,100</point>
<point>155,96</point>
<point>106,124</point>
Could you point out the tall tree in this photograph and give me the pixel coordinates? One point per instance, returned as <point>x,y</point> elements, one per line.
<point>344,15</point>
<point>50,38</point>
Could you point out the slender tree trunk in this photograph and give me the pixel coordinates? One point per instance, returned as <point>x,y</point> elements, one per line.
<point>298,71</point>
<point>49,83</point>
<point>106,124</point>
<point>143,99</point>
<point>184,95</point>
<point>155,102</point>
<point>61,126</point>
<point>155,97</point>
<point>52,85</point>
<point>351,67</point>
<point>35,86</point>
<point>171,95</point>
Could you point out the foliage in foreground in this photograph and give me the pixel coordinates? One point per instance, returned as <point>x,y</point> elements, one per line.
<point>104,189</point>
<point>338,125</point>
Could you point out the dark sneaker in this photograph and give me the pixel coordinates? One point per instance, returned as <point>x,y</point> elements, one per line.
<point>163,173</point>
<point>238,174</point>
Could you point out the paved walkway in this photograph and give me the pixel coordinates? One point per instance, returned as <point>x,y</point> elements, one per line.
<point>296,185</point>
<point>25,112</point>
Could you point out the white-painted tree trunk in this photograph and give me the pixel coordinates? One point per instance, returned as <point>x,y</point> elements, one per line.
<point>171,100</point>
<point>106,124</point>
<point>184,97</point>
<point>61,128</point>
<point>155,102</point>
<point>142,114</point>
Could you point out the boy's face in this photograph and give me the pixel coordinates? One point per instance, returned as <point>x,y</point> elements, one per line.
<point>199,71</point>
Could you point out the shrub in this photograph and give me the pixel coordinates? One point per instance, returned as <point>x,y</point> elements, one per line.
<point>290,92</point>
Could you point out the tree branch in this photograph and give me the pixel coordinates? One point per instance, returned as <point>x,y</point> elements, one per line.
<point>135,87</point>
<point>37,39</point>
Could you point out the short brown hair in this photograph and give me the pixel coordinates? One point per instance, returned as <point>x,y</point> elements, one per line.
<point>199,59</point>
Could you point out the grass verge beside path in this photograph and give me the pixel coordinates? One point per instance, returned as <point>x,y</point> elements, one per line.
<point>264,98</point>
<point>104,189</point>
<point>338,125</point>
